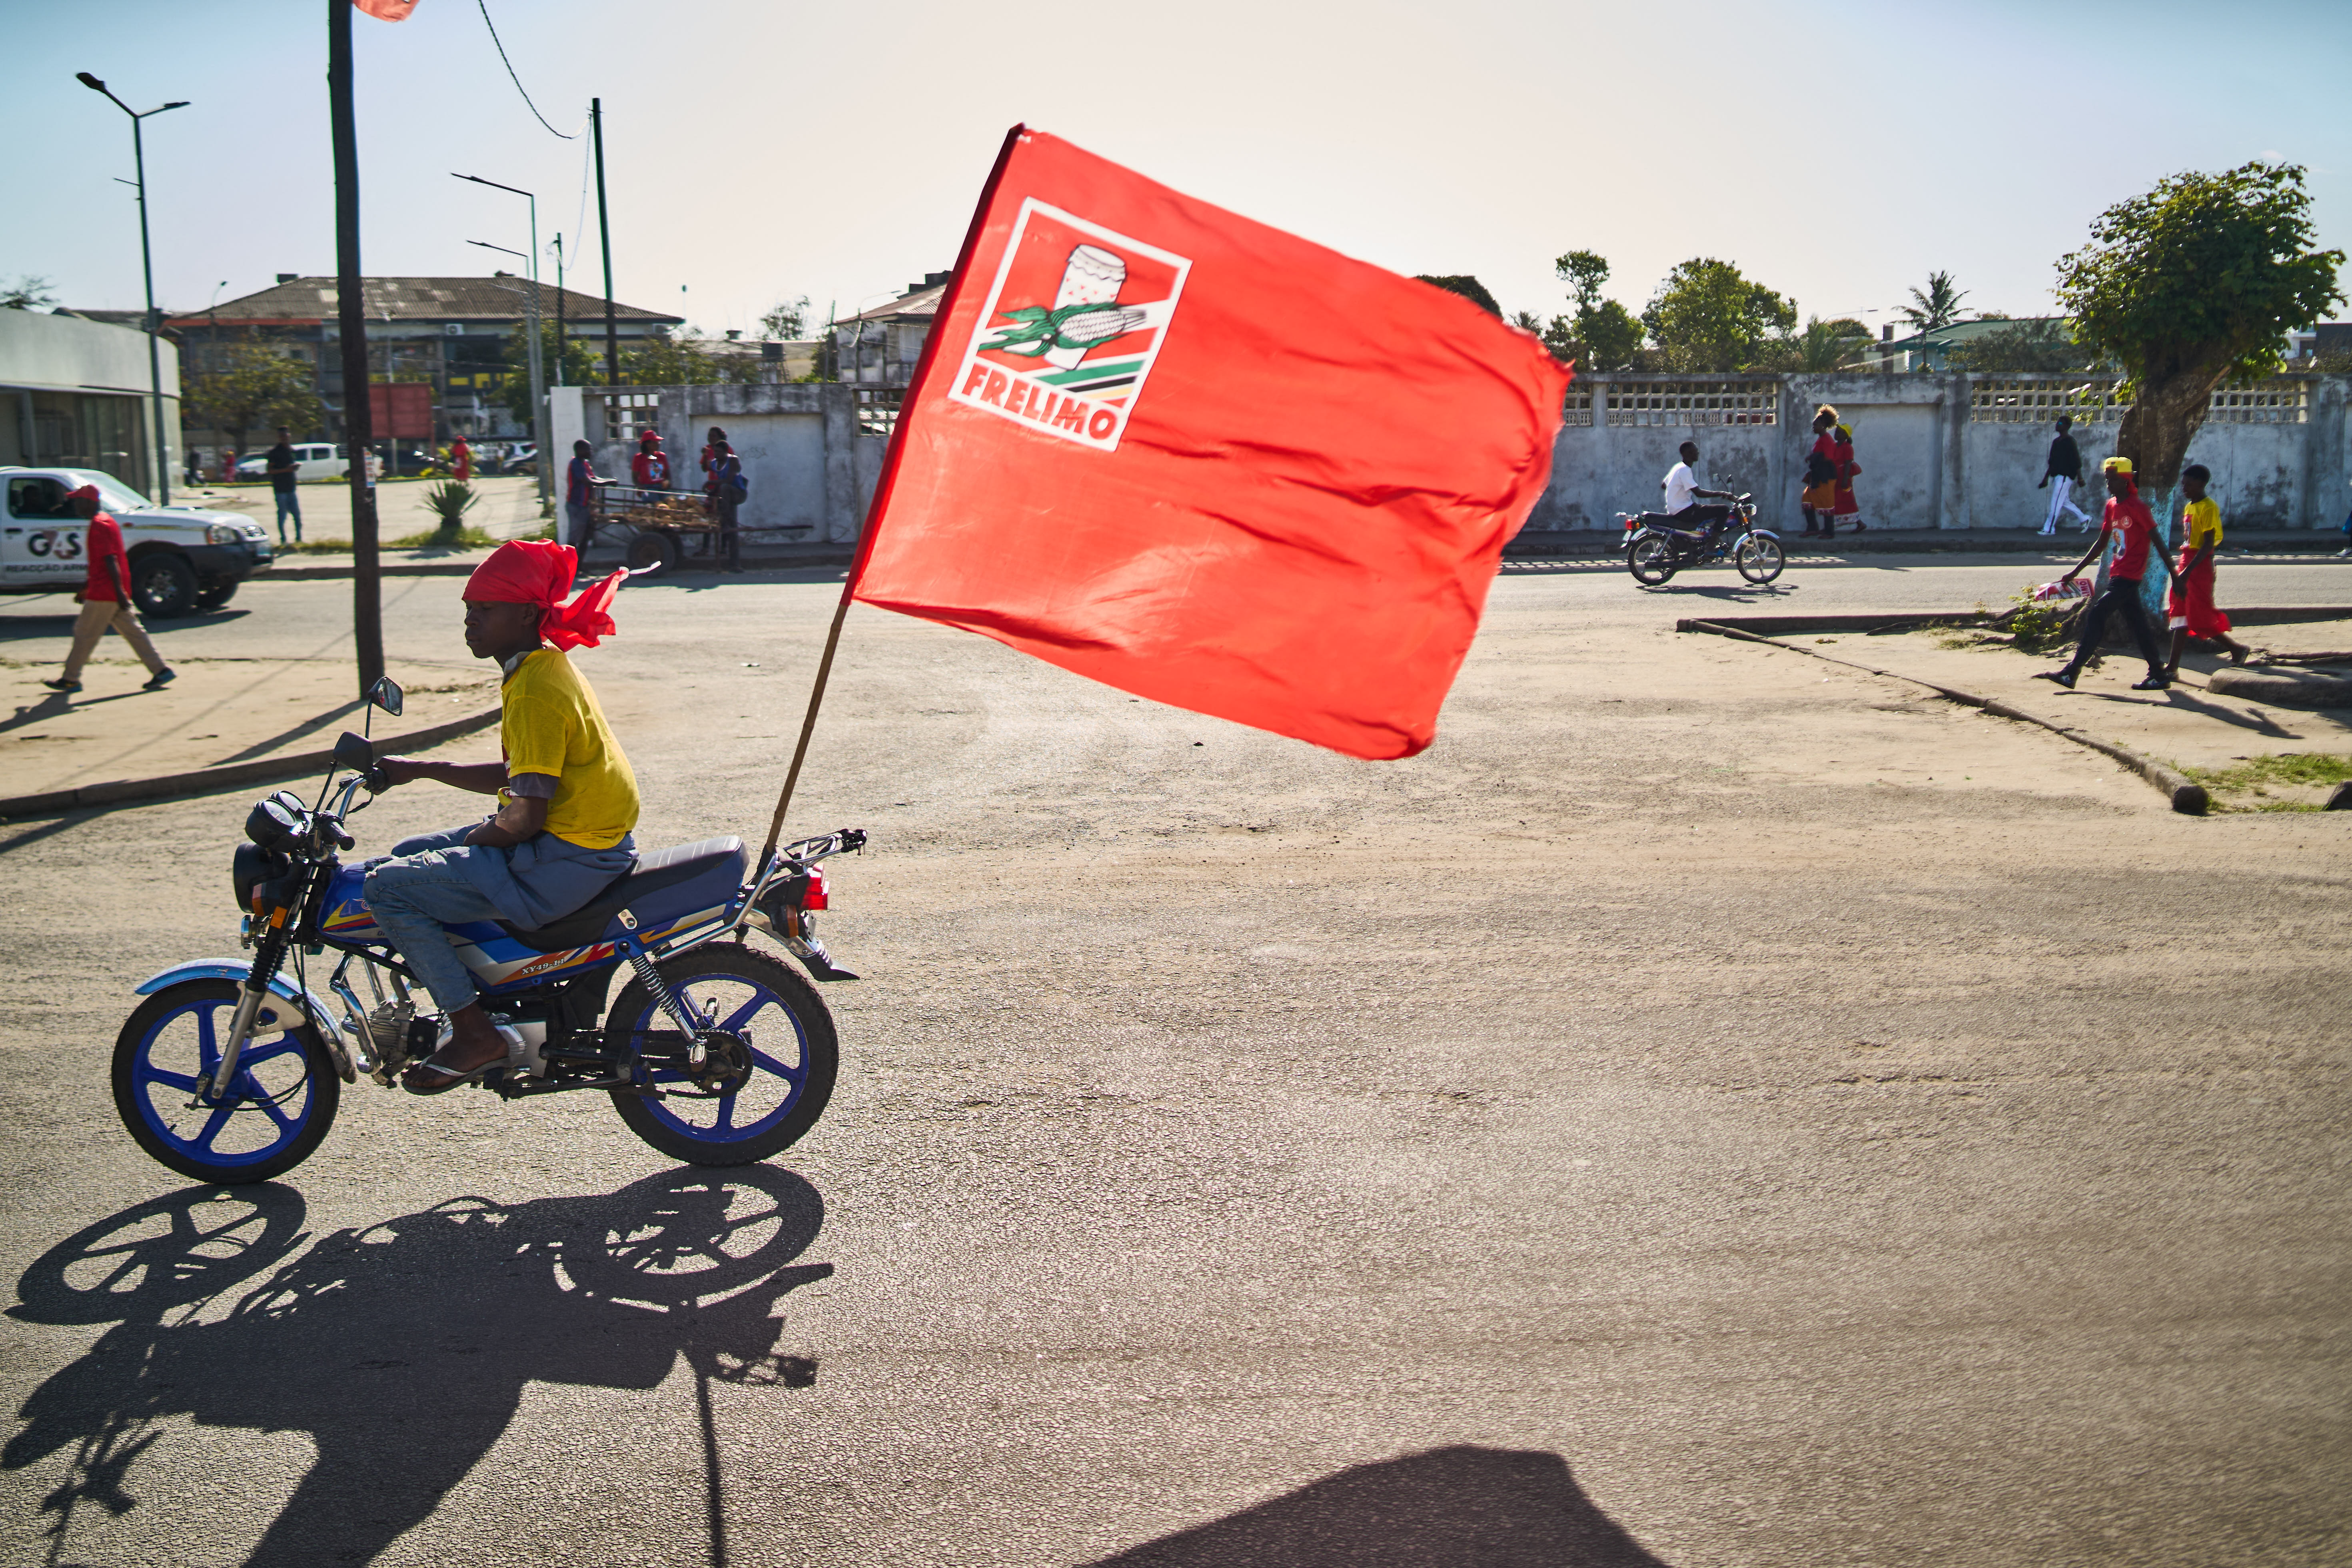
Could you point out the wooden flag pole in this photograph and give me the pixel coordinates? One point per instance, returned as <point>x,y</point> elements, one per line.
<point>882,488</point>
<point>808,724</point>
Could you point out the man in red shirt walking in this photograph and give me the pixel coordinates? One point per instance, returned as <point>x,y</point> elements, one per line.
<point>2128,522</point>
<point>105,599</point>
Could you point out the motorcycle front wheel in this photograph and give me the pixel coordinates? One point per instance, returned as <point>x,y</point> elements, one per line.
<point>790,1057</point>
<point>1760,559</point>
<point>277,1110</point>
<point>1652,561</point>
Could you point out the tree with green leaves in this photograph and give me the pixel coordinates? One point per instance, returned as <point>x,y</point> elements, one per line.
<point>1825,346</point>
<point>1467,286</point>
<point>1707,316</point>
<point>1602,334</point>
<point>1936,307</point>
<point>788,322</point>
<point>257,388</point>
<point>583,365</point>
<point>27,293</point>
<point>2196,282</point>
<point>2022,346</point>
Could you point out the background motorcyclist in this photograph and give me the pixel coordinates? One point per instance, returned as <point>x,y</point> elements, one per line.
<point>567,800</point>
<point>1682,507</point>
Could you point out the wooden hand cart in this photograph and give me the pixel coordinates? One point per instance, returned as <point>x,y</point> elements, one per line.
<point>653,526</point>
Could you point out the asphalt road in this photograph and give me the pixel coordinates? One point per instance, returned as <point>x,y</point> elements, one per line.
<point>1630,1132</point>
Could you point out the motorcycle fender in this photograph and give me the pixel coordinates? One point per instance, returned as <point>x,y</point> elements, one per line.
<point>1766,533</point>
<point>283,1010</point>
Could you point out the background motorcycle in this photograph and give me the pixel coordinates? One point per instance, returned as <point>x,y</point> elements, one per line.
<point>1655,550</point>
<point>715,1054</point>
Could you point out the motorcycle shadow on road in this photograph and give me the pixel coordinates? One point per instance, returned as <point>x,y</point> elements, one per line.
<point>402,1348</point>
<point>1462,1507</point>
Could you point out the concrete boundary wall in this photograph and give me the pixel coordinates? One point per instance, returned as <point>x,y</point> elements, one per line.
<point>1935,450</point>
<point>811,467</point>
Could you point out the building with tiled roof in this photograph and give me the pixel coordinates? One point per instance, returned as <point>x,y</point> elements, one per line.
<point>454,332</point>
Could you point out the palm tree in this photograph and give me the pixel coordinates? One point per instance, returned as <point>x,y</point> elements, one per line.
<point>1938,307</point>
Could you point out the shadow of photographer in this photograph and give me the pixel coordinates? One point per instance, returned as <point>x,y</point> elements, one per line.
<point>403,1348</point>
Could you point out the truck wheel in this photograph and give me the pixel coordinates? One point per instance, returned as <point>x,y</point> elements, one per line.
<point>162,585</point>
<point>215,594</point>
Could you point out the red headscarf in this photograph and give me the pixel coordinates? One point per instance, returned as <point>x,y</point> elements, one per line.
<point>539,572</point>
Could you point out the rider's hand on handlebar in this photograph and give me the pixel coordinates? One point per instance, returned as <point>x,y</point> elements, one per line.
<point>390,771</point>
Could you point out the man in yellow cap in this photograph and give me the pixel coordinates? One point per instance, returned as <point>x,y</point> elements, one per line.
<point>2128,523</point>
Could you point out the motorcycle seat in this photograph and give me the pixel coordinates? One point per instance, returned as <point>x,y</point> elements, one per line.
<point>666,884</point>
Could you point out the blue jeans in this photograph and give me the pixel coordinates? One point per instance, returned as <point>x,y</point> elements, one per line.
<point>437,880</point>
<point>575,513</point>
<point>288,505</point>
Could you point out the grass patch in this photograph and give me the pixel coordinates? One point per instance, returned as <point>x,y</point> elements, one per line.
<point>317,547</point>
<point>431,538</point>
<point>2285,768</point>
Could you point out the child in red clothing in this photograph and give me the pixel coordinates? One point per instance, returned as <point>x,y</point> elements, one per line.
<point>2194,614</point>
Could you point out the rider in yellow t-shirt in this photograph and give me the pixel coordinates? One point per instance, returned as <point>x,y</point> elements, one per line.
<point>567,801</point>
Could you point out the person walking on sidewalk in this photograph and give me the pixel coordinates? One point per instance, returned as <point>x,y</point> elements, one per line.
<point>2061,472</point>
<point>105,599</point>
<point>1819,498</point>
<point>283,471</point>
<point>725,495</point>
<point>2127,522</point>
<point>1846,506</point>
<point>579,486</point>
<point>2193,612</point>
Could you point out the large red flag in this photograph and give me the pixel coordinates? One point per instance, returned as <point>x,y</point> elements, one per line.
<point>1205,462</point>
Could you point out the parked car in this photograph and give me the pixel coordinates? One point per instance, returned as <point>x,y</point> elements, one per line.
<point>312,461</point>
<point>183,558</point>
<point>524,460</point>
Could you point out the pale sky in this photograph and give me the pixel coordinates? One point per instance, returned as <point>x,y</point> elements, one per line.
<point>759,150</point>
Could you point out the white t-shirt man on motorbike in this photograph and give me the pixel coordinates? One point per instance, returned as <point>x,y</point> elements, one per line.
<point>1682,493</point>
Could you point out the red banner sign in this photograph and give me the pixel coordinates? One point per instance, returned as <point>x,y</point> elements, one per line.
<point>400,410</point>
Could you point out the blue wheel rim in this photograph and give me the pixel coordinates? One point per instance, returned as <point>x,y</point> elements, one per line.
<point>779,1061</point>
<point>269,1070</point>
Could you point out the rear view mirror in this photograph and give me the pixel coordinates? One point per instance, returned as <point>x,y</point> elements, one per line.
<point>354,752</point>
<point>385,694</point>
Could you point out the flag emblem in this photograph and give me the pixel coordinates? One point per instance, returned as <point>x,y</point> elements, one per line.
<point>1071,327</point>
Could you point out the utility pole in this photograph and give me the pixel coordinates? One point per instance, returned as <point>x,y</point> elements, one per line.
<point>153,323</point>
<point>604,233</point>
<point>559,310</point>
<point>537,369</point>
<point>351,315</point>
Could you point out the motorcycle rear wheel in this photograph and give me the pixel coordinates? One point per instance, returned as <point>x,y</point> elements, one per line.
<point>795,1056</point>
<point>1652,561</point>
<point>1760,559</point>
<point>286,1088</point>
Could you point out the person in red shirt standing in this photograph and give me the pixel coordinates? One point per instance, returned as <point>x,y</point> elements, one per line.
<point>461,461</point>
<point>649,469</point>
<point>2129,525</point>
<point>105,599</point>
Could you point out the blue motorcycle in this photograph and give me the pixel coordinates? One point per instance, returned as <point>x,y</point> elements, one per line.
<point>715,1053</point>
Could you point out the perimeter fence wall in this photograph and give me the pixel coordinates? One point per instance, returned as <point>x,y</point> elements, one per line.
<point>1944,451</point>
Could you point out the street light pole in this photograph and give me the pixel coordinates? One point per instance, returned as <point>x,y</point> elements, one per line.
<point>163,447</point>
<point>538,373</point>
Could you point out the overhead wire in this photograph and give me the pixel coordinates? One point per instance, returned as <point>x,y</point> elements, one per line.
<point>566,135</point>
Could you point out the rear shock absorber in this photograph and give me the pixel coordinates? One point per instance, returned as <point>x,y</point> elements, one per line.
<point>664,997</point>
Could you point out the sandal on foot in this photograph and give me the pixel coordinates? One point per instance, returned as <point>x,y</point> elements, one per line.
<point>2153,683</point>
<point>2065,677</point>
<point>63,685</point>
<point>160,679</point>
<point>452,1078</point>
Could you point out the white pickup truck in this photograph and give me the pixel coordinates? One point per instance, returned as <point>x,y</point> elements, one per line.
<point>183,559</point>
